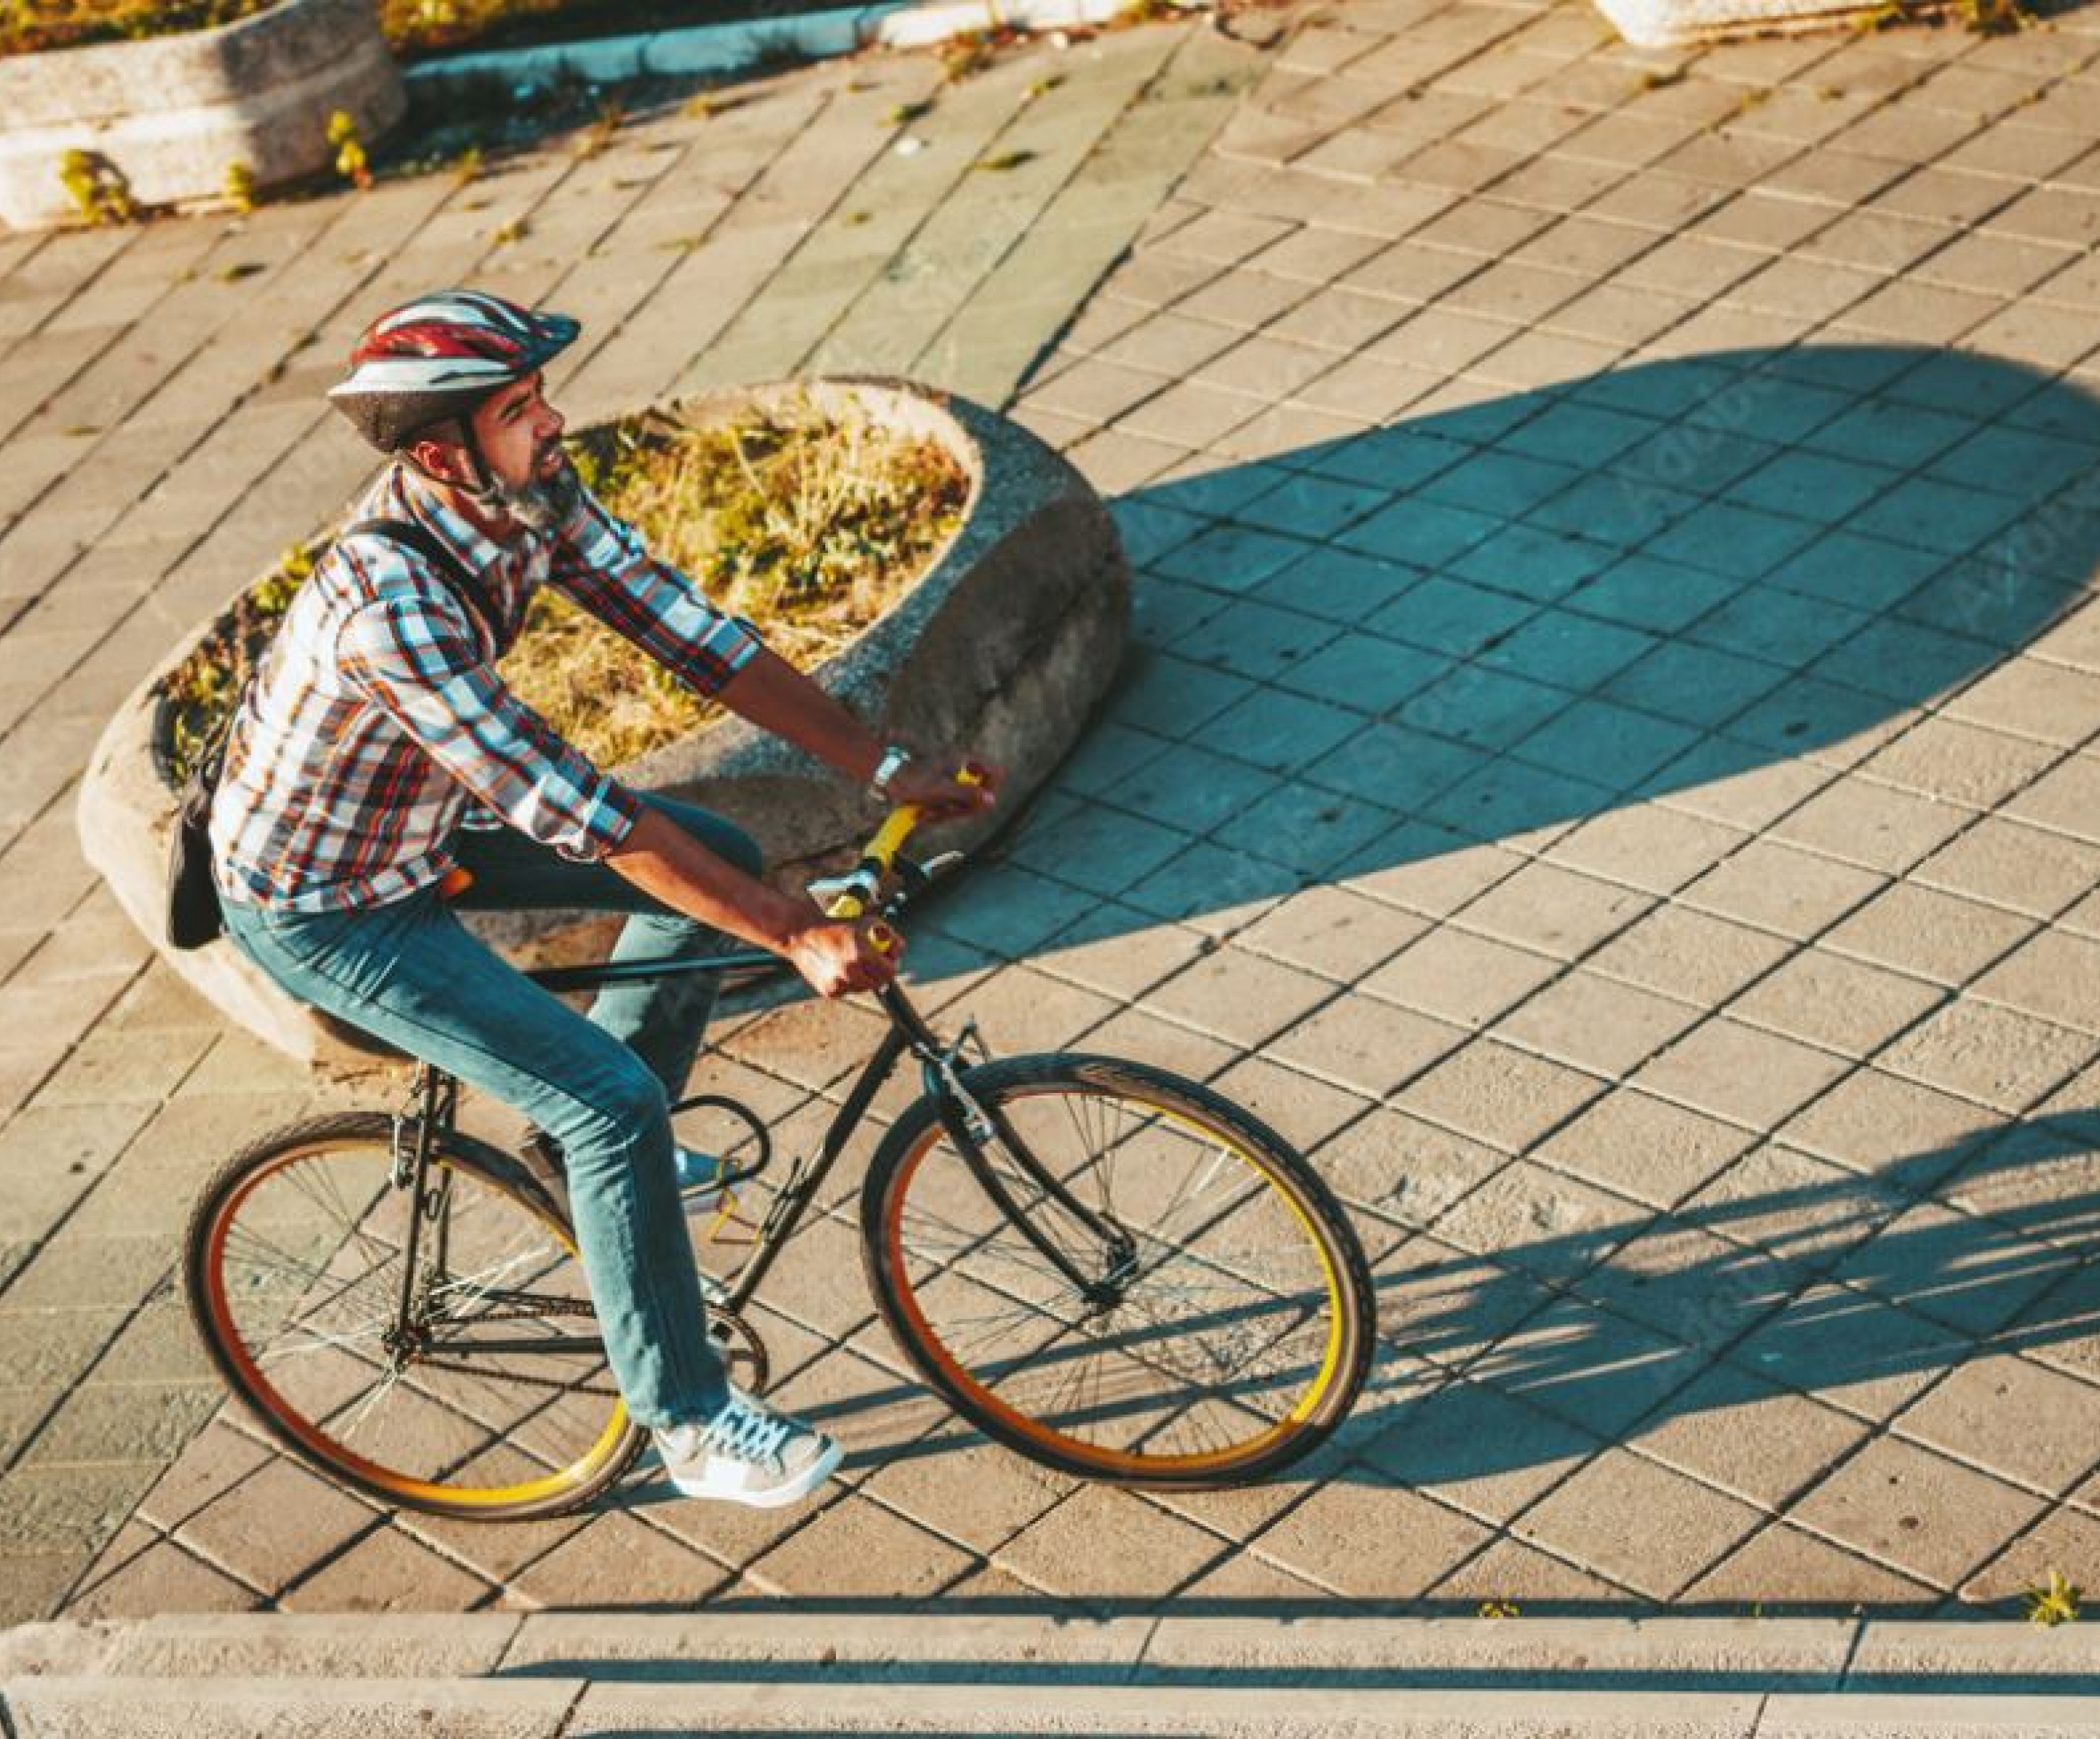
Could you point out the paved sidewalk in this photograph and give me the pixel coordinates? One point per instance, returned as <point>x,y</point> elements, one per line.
<point>832,1666</point>
<point>1608,769</point>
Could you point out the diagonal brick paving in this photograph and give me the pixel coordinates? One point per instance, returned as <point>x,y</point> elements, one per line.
<point>1605,769</point>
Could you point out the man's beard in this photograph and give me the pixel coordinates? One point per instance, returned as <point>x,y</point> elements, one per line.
<point>542,504</point>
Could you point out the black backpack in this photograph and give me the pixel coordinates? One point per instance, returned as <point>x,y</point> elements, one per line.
<point>194,918</point>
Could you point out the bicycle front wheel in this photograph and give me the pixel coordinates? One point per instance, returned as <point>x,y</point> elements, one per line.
<point>468,1380</point>
<point>1129,1278</point>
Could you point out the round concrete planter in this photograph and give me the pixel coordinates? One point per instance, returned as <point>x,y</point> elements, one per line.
<point>173,112</point>
<point>1006,644</point>
<point>1670,24</point>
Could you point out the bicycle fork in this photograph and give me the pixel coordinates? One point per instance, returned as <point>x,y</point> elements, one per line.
<point>433,1101</point>
<point>974,1126</point>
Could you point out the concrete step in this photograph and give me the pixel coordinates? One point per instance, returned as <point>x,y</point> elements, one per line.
<point>563,1675</point>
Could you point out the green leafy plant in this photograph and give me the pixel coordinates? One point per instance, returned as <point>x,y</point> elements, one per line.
<point>903,114</point>
<point>351,161</point>
<point>2055,1603</point>
<point>100,190</point>
<point>1002,160</point>
<point>1499,1610</point>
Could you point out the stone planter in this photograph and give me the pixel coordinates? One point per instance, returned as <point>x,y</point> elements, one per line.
<point>1006,643</point>
<point>1668,23</point>
<point>173,112</point>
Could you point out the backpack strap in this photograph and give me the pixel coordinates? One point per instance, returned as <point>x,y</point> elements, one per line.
<point>426,543</point>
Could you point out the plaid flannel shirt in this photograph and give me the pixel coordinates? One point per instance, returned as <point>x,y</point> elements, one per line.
<point>377,718</point>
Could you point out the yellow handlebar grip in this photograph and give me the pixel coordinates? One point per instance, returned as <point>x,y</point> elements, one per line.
<point>890,836</point>
<point>882,938</point>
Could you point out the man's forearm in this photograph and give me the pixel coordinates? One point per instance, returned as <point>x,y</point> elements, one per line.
<point>777,697</point>
<point>661,859</point>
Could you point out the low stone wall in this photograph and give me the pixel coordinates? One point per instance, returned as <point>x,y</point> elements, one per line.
<point>172,113</point>
<point>1007,644</point>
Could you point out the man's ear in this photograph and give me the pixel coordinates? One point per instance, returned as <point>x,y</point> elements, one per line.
<point>443,460</point>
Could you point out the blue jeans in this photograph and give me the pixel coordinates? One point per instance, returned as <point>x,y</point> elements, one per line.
<point>410,972</point>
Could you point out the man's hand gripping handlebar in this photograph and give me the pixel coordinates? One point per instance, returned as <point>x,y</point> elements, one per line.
<point>851,896</point>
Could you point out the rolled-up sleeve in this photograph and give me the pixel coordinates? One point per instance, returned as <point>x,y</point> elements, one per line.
<point>601,562</point>
<point>421,663</point>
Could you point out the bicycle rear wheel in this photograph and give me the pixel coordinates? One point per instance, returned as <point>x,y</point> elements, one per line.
<point>475,1386</point>
<point>1219,1325</point>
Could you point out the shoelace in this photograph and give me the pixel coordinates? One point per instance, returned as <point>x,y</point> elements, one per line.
<point>746,1434</point>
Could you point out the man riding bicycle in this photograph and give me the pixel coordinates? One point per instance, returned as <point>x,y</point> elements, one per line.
<point>378,758</point>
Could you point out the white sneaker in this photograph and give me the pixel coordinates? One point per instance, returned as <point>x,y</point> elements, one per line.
<point>747,1453</point>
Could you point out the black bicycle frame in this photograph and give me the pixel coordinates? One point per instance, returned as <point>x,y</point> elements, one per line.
<point>908,1033</point>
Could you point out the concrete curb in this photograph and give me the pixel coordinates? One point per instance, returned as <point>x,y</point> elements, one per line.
<point>700,49</point>
<point>830,1666</point>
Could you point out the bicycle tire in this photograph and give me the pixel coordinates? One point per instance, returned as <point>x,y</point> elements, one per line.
<point>929,1227</point>
<point>292,1267</point>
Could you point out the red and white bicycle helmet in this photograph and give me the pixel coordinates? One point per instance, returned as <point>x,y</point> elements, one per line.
<point>436,358</point>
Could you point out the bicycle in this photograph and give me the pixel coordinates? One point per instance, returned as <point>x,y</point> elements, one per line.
<point>1177,1301</point>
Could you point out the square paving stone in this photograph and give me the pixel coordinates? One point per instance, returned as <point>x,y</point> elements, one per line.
<point>276,1525</point>
<point>1105,1544</point>
<point>1368,1539</point>
<point>856,1547</point>
<point>1939,936</point>
<point>1956,1269</point>
<point>1852,1350</point>
<point>1596,1023</point>
<point>1930,1517</point>
<point>1907,1136</point>
<point>386,1571</point>
<point>1542,1222</point>
<point>2011,1417</point>
<point>1842,1004</point>
<point>1332,931</point>
<point>1426,868</point>
<point>1737,1072</point>
<point>1639,1524</point>
<point>1478,1450</point>
<point>1406,1169</point>
<point>2064,1542</point>
<point>1688,955</point>
<point>2044,977</point>
<point>1500,1095</point>
<point>1695,1287</point>
<point>1466,979</point>
<point>161,1578</point>
<point>1774,887</point>
<point>1366,1046</point>
<point>1593,1369</point>
<point>1998,1056</point>
<point>1511,1574</point>
<point>1557,911</point>
<point>1439,1303</point>
<point>1644,1148</point>
<point>1607,744</point>
<point>1749,1437</point>
<point>1874,826</point>
<point>974,1493</point>
<point>1785,1569</point>
<point>1646,846</point>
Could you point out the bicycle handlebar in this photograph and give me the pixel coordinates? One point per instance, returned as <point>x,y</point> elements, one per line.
<point>850,896</point>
